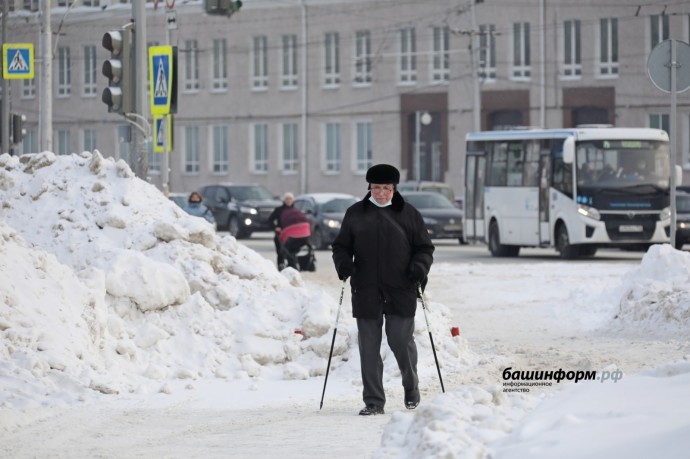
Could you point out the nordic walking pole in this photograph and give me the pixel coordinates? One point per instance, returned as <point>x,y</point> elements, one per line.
<point>421,295</point>
<point>330,354</point>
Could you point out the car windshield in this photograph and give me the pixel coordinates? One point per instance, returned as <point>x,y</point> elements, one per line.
<point>429,201</point>
<point>338,205</point>
<point>251,193</point>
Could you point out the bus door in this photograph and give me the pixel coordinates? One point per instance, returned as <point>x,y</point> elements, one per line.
<point>544,198</point>
<point>475,165</point>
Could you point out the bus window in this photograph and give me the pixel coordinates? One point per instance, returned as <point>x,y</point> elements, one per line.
<point>562,173</point>
<point>499,165</point>
<point>531,177</point>
<point>515,164</point>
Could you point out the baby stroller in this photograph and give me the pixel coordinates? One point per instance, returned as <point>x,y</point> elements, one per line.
<point>299,254</point>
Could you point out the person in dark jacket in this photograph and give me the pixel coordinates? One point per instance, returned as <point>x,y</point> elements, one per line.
<point>385,250</point>
<point>274,218</point>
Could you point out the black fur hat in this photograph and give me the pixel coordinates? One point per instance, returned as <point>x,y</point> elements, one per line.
<point>383,173</point>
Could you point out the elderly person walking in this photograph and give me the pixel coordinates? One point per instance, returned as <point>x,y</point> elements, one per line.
<point>385,250</point>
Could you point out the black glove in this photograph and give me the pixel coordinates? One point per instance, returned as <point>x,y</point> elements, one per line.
<point>346,270</point>
<point>415,273</point>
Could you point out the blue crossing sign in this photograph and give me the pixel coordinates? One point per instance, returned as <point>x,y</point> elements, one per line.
<point>18,61</point>
<point>160,78</point>
<point>162,133</point>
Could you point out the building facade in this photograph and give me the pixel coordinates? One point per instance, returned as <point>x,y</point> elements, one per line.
<point>305,96</point>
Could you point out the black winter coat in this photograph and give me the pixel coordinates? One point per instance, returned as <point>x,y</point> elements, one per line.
<point>382,256</point>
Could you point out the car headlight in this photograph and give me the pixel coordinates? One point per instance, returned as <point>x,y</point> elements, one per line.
<point>665,213</point>
<point>248,210</point>
<point>329,222</point>
<point>430,221</point>
<point>589,212</point>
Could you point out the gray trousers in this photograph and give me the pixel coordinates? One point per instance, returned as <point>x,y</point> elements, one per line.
<point>400,336</point>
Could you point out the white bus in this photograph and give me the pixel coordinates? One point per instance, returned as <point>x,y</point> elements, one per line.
<point>573,189</point>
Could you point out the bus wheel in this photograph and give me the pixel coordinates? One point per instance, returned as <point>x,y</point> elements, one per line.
<point>496,248</point>
<point>567,251</point>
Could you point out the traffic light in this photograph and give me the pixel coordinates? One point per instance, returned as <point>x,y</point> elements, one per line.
<point>17,129</point>
<point>119,95</point>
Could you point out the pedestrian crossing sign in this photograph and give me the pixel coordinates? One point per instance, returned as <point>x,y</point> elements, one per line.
<point>160,78</point>
<point>162,133</point>
<point>18,61</point>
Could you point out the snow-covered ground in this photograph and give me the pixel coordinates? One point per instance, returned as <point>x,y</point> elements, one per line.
<point>131,329</point>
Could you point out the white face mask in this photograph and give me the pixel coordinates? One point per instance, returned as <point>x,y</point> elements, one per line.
<point>371,198</point>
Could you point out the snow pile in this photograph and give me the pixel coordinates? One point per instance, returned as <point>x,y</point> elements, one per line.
<point>458,424</point>
<point>118,290</point>
<point>656,295</point>
<point>640,416</point>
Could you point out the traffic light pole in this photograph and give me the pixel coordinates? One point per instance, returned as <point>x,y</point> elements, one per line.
<point>140,79</point>
<point>5,115</point>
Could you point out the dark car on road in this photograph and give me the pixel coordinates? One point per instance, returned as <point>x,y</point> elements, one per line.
<point>442,219</point>
<point>682,218</point>
<point>325,212</point>
<point>241,209</point>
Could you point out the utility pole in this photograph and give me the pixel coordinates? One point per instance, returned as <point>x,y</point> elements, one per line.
<point>45,101</point>
<point>140,59</point>
<point>5,118</point>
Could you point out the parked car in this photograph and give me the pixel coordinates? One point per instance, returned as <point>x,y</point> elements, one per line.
<point>436,187</point>
<point>682,218</point>
<point>325,212</point>
<point>241,209</point>
<point>199,210</point>
<point>443,220</point>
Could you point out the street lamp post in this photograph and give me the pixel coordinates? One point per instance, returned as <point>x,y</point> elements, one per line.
<point>421,118</point>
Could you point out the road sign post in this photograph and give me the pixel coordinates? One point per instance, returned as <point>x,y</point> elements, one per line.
<point>663,66</point>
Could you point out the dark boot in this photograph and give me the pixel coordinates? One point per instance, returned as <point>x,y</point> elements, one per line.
<point>371,410</point>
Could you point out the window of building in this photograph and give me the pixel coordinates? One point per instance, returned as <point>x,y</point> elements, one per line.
<point>29,88</point>
<point>191,66</point>
<point>362,70</point>
<point>30,5</point>
<point>124,136</point>
<point>219,80</point>
<point>660,121</point>
<point>64,80</point>
<point>487,52</point>
<point>289,62</point>
<point>260,62</point>
<point>259,158</point>
<point>659,28</point>
<point>90,83</point>
<point>191,149</point>
<point>331,58</point>
<point>407,60</point>
<point>89,137</point>
<point>521,51</point>
<point>63,142</point>
<point>30,142</point>
<point>154,159</point>
<point>572,58</point>
<point>363,146</point>
<point>332,148</point>
<point>440,71</point>
<point>608,47</point>
<point>220,149</point>
<point>290,151</point>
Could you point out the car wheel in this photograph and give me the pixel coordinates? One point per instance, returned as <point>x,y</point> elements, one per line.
<point>234,227</point>
<point>317,239</point>
<point>496,248</point>
<point>565,249</point>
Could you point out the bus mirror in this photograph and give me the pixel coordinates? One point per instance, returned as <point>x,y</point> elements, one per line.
<point>569,150</point>
<point>679,175</point>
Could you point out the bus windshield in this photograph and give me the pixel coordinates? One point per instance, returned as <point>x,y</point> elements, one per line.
<point>619,164</point>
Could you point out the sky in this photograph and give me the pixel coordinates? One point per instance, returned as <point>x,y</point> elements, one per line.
<point>131,329</point>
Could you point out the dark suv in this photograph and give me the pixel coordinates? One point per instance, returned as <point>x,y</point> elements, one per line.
<point>240,209</point>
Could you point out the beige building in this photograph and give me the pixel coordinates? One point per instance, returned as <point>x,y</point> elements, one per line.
<point>304,96</point>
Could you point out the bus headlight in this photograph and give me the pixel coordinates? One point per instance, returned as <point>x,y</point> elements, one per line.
<point>665,213</point>
<point>589,212</point>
